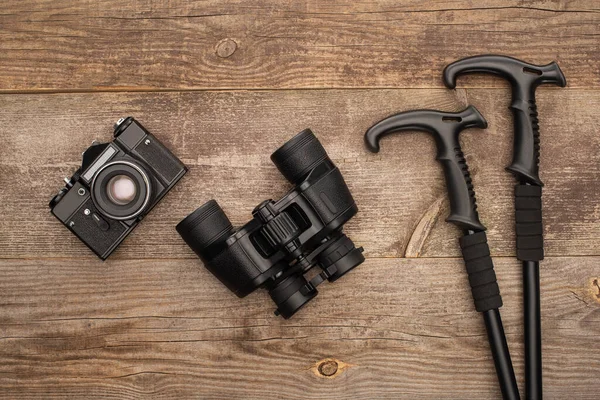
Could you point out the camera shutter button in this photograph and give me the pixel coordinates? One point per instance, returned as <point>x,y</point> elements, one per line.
<point>101,222</point>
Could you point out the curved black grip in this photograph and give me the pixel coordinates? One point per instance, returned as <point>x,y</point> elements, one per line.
<point>445,128</point>
<point>524,79</point>
<point>482,278</point>
<point>526,145</point>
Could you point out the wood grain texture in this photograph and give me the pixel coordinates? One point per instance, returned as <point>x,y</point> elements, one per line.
<point>224,84</point>
<point>168,329</point>
<point>65,45</point>
<point>226,139</point>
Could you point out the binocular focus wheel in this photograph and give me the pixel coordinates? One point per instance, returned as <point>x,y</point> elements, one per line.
<point>298,156</point>
<point>205,226</point>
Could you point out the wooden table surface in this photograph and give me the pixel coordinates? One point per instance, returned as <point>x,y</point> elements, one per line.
<point>223,84</point>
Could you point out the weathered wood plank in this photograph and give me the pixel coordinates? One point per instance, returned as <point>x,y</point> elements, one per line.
<point>226,139</point>
<point>123,329</point>
<point>142,45</point>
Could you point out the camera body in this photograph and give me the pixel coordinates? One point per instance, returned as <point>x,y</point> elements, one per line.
<point>286,238</point>
<point>117,184</point>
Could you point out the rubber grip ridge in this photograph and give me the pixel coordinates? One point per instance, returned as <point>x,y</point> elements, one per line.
<point>528,218</point>
<point>482,278</point>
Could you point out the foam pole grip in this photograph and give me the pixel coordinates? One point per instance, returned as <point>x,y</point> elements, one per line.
<point>482,278</point>
<point>528,218</point>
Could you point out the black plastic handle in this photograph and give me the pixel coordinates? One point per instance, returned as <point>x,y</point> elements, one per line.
<point>445,128</point>
<point>524,79</point>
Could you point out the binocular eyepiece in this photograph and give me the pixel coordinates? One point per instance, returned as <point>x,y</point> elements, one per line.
<point>285,238</point>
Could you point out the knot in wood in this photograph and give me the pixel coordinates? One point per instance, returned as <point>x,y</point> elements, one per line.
<point>328,368</point>
<point>226,47</point>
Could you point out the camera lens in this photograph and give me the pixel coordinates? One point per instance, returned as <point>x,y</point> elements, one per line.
<point>297,157</point>
<point>205,226</point>
<point>342,255</point>
<point>291,294</point>
<point>121,190</point>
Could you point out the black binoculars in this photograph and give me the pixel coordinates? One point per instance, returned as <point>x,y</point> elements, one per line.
<point>285,238</point>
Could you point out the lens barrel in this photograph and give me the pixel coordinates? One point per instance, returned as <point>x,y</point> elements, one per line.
<point>101,191</point>
<point>291,294</point>
<point>298,156</point>
<point>343,255</point>
<point>204,227</point>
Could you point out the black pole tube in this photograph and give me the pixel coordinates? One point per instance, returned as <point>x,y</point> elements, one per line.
<point>502,361</point>
<point>533,330</point>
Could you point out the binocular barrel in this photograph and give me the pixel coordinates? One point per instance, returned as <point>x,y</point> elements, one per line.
<point>204,227</point>
<point>298,156</point>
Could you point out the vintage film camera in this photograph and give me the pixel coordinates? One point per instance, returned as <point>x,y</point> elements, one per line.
<point>117,184</point>
<point>286,238</point>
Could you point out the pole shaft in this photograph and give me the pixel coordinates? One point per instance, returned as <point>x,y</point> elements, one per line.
<point>533,330</point>
<point>502,361</point>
